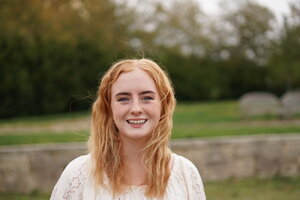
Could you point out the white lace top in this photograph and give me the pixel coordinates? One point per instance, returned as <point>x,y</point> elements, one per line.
<point>76,183</point>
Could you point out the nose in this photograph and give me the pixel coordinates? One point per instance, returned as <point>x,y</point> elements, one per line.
<point>136,108</point>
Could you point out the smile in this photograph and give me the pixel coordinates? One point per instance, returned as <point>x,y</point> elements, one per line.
<point>137,121</point>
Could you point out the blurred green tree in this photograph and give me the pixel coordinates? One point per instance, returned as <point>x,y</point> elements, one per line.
<point>285,63</point>
<point>245,46</point>
<point>51,52</point>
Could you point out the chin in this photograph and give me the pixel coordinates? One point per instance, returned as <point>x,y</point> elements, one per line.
<point>136,135</point>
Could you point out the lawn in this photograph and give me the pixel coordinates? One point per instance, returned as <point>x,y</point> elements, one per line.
<point>198,119</point>
<point>277,188</point>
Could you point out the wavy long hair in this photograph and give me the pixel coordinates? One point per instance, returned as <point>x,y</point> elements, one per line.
<point>105,144</point>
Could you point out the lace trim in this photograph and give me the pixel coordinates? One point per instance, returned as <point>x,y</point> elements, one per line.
<point>195,182</point>
<point>192,176</point>
<point>76,182</point>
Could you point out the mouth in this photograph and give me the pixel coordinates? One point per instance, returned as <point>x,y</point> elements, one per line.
<point>137,122</point>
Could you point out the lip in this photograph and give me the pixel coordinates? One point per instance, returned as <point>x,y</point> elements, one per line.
<point>136,119</point>
<point>137,125</point>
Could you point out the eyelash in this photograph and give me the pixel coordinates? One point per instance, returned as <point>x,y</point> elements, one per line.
<point>147,98</point>
<point>123,99</point>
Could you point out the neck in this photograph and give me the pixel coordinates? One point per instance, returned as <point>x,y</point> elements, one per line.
<point>135,172</point>
<point>132,150</point>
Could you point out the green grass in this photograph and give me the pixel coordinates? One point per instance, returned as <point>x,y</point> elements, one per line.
<point>208,112</point>
<point>32,196</point>
<point>15,139</point>
<point>277,188</point>
<point>205,119</point>
<point>211,119</point>
<point>231,128</point>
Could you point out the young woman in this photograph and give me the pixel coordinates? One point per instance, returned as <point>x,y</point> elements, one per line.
<point>129,157</point>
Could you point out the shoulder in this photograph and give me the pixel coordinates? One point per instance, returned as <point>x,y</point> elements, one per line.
<point>78,163</point>
<point>183,162</point>
<point>191,176</point>
<point>71,181</point>
<point>76,168</point>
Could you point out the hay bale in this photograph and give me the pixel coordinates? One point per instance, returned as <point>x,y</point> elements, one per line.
<point>256,104</point>
<point>291,103</point>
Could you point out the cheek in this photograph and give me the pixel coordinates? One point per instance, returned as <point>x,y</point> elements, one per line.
<point>114,109</point>
<point>118,111</point>
<point>157,111</point>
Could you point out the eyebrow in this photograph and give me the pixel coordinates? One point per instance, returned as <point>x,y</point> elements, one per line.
<point>147,92</point>
<point>123,93</point>
<point>141,93</point>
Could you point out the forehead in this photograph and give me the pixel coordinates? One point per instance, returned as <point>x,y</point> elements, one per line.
<point>136,80</point>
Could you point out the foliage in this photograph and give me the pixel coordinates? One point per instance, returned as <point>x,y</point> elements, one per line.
<point>285,63</point>
<point>53,52</point>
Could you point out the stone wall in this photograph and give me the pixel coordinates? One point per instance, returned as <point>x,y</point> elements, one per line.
<point>26,168</point>
<point>246,156</point>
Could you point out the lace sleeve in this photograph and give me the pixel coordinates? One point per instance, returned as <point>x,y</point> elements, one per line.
<point>71,181</point>
<point>193,180</point>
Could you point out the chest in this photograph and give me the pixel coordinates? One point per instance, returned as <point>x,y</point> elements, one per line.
<point>176,190</point>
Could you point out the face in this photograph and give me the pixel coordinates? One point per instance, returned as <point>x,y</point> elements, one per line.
<point>135,104</point>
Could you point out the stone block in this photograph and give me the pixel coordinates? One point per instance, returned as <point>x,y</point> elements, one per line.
<point>269,160</point>
<point>217,163</point>
<point>15,173</point>
<point>244,168</point>
<point>291,159</point>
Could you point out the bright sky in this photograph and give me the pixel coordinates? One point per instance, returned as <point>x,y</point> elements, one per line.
<point>279,7</point>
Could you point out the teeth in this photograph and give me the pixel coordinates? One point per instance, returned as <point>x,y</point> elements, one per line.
<point>136,121</point>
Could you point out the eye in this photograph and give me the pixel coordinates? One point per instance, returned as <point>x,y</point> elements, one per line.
<point>147,98</point>
<point>123,99</point>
